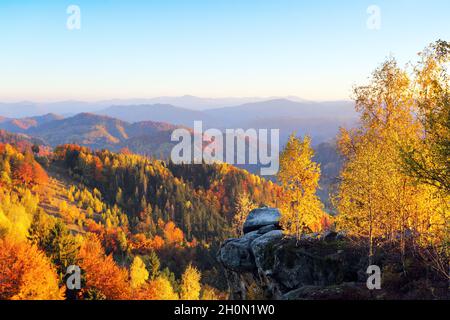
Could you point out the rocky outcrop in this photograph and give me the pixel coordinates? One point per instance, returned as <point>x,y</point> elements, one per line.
<point>262,217</point>
<point>282,268</point>
<point>265,264</point>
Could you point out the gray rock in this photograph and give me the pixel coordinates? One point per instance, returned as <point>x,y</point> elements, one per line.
<point>268,228</point>
<point>251,235</point>
<point>309,262</point>
<point>236,254</point>
<point>262,248</point>
<point>261,217</point>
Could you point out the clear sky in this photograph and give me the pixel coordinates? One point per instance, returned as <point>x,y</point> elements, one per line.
<point>213,48</point>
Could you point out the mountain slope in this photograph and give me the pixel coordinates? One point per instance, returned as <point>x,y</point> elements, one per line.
<point>84,128</point>
<point>98,132</point>
<point>283,108</point>
<point>21,125</point>
<point>320,129</point>
<point>156,112</point>
<point>23,141</point>
<point>321,120</point>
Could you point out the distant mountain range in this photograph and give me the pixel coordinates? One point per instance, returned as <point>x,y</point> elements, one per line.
<point>196,103</point>
<point>97,131</point>
<point>156,112</point>
<point>22,125</point>
<point>71,107</point>
<point>32,109</point>
<point>321,120</point>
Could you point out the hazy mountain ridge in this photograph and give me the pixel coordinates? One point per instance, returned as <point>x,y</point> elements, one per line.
<point>84,128</point>
<point>32,108</point>
<point>156,112</point>
<point>321,120</point>
<point>71,107</point>
<point>100,132</point>
<point>23,124</point>
<point>285,108</point>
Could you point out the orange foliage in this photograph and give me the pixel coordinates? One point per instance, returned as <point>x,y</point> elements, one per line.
<point>158,289</point>
<point>26,273</point>
<point>157,243</point>
<point>140,244</point>
<point>24,173</point>
<point>193,243</point>
<point>173,234</point>
<point>326,222</point>
<point>126,151</point>
<point>30,172</point>
<point>40,176</point>
<point>93,227</point>
<point>97,168</point>
<point>101,271</point>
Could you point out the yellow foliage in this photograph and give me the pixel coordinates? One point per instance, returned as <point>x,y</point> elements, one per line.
<point>376,198</point>
<point>299,176</point>
<point>63,207</point>
<point>138,273</point>
<point>26,273</point>
<point>16,214</point>
<point>243,207</point>
<point>160,289</point>
<point>209,293</point>
<point>190,284</point>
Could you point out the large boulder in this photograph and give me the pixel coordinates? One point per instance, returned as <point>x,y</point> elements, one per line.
<point>262,248</point>
<point>261,217</point>
<point>308,262</point>
<point>236,254</point>
<point>279,264</point>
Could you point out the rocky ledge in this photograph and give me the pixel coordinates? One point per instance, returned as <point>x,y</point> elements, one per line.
<point>265,264</point>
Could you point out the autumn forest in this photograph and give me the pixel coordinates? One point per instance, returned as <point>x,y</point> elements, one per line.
<point>140,227</point>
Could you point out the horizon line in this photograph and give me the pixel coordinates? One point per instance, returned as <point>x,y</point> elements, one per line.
<point>104,100</point>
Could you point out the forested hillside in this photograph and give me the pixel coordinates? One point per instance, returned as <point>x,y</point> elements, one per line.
<point>82,207</point>
<point>95,131</point>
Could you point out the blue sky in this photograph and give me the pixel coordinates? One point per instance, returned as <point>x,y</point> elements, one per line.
<point>213,48</point>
